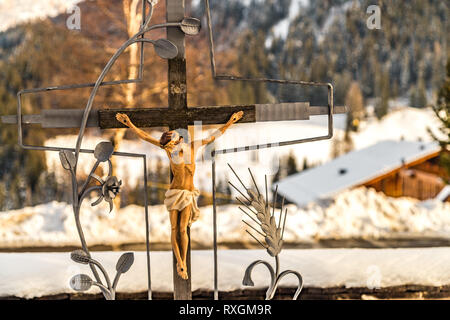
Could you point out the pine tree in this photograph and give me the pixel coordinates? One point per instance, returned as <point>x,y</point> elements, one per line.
<point>382,107</point>
<point>291,164</point>
<point>442,111</point>
<point>354,101</point>
<point>305,164</point>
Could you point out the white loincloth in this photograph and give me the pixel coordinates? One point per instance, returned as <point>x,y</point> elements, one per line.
<point>177,199</point>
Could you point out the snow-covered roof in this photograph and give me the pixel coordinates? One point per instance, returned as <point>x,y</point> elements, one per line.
<point>444,194</point>
<point>352,169</point>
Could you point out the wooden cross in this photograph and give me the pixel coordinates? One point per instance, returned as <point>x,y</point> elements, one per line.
<point>176,116</point>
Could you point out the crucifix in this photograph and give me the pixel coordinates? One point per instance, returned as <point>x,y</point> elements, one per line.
<point>177,115</point>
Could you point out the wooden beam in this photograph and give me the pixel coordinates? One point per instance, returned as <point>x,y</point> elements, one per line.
<point>166,117</point>
<point>175,11</point>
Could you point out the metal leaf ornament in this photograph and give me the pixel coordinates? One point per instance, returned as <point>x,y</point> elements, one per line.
<point>259,211</point>
<point>191,26</point>
<point>81,282</point>
<point>103,151</point>
<point>80,256</point>
<point>125,262</point>
<point>68,159</point>
<point>165,49</point>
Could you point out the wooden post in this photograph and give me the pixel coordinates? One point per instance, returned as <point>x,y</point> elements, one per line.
<point>178,101</point>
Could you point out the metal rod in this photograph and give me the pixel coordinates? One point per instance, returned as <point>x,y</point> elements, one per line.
<point>239,192</point>
<point>105,290</point>
<point>76,210</point>
<point>211,39</point>
<point>272,145</point>
<point>237,176</point>
<point>143,23</point>
<point>264,246</point>
<point>256,230</point>
<point>277,267</point>
<point>105,274</point>
<point>267,192</point>
<point>254,181</point>
<point>246,205</point>
<point>116,280</point>
<point>284,223</point>
<point>88,191</point>
<point>83,188</point>
<point>281,212</point>
<point>274,201</point>
<point>257,222</point>
<point>216,277</point>
<point>147,230</point>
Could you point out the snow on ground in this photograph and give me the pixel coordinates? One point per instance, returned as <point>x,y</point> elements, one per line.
<point>17,11</point>
<point>31,275</point>
<point>359,213</point>
<point>408,123</point>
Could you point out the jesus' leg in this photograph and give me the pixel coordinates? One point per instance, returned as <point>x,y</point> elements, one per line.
<point>174,235</point>
<point>184,238</point>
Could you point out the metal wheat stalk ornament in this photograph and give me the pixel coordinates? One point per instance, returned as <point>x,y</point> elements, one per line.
<point>262,213</point>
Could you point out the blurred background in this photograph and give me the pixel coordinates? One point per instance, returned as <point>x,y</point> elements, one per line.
<point>382,181</point>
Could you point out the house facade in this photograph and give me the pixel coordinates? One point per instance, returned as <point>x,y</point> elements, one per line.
<point>396,168</point>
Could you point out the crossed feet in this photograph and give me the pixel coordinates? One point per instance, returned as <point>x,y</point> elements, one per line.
<point>182,270</point>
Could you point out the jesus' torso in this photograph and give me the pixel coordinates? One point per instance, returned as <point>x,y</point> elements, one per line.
<point>182,165</point>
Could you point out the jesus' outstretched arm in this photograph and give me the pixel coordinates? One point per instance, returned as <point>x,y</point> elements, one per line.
<point>234,118</point>
<point>123,118</point>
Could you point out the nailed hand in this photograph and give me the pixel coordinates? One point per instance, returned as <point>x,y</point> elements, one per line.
<point>123,118</point>
<point>237,116</point>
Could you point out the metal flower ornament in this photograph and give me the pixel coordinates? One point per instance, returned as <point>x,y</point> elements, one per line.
<point>272,233</point>
<point>110,189</point>
<point>107,190</point>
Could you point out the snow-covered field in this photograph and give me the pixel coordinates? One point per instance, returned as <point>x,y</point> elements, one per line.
<point>38,274</point>
<point>359,213</point>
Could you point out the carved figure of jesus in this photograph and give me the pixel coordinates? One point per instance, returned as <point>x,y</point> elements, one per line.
<point>181,198</point>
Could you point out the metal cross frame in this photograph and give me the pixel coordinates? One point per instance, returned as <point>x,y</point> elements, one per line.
<point>214,153</point>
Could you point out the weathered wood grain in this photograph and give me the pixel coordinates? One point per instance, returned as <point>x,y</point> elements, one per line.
<point>174,118</point>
